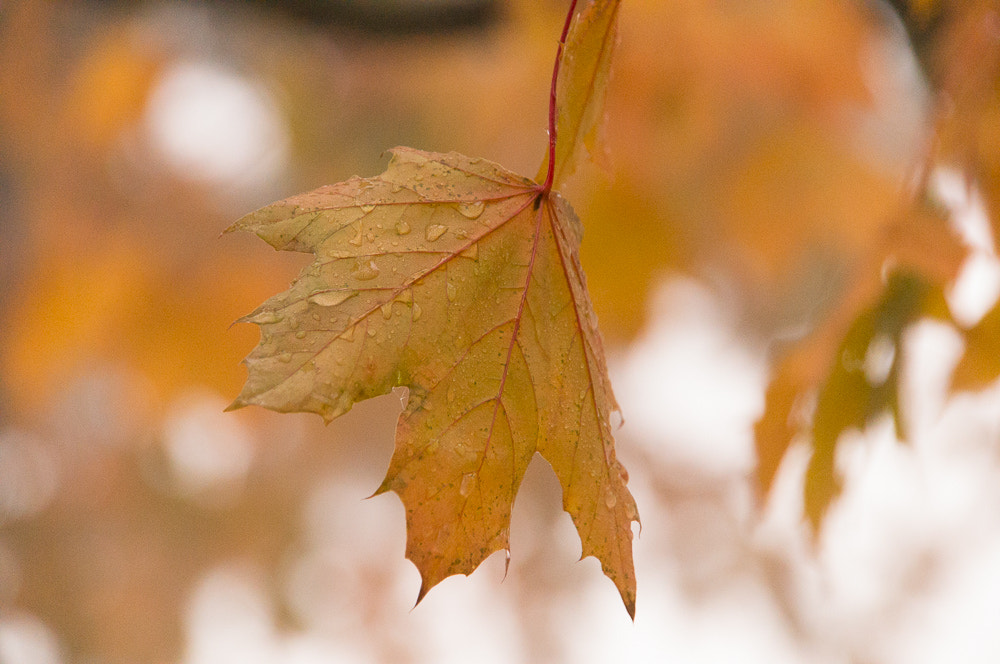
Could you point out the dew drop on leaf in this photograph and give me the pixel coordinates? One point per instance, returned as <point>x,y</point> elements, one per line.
<point>356,240</point>
<point>416,312</point>
<point>387,310</point>
<point>285,358</point>
<point>301,334</point>
<point>367,207</point>
<point>266,318</point>
<point>330,298</point>
<point>402,228</point>
<point>434,231</point>
<point>365,270</point>
<point>472,209</point>
<point>610,499</point>
<point>468,481</point>
<point>348,334</point>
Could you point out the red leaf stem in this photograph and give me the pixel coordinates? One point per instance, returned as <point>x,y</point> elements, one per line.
<point>550,175</point>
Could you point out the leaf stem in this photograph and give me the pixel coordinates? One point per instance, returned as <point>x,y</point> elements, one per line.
<point>550,175</point>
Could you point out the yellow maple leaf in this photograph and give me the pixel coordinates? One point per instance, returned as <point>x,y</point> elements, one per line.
<point>460,281</point>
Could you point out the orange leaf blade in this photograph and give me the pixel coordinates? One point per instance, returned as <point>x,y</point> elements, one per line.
<point>460,281</point>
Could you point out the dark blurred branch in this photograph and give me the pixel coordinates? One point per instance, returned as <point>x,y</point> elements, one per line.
<point>393,16</point>
<point>377,17</point>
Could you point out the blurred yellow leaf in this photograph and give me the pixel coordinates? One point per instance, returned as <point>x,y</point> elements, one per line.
<point>980,364</point>
<point>851,361</point>
<point>110,88</point>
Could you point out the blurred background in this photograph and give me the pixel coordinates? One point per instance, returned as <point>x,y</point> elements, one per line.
<point>754,150</point>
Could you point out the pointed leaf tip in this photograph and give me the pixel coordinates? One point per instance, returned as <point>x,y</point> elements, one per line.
<point>235,405</point>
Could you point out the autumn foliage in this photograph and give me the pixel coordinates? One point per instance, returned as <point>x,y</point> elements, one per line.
<point>808,169</point>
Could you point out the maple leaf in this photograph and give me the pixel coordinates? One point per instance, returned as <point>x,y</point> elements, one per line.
<point>460,281</point>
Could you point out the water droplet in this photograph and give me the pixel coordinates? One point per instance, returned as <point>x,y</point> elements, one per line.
<point>472,209</point>
<point>365,270</point>
<point>293,323</point>
<point>266,318</point>
<point>285,358</point>
<point>315,317</point>
<point>367,207</point>
<point>452,290</point>
<point>387,310</point>
<point>610,499</point>
<point>371,332</point>
<point>434,231</point>
<point>301,334</point>
<point>406,297</point>
<point>330,298</point>
<point>468,482</point>
<point>348,334</point>
<point>416,312</point>
<point>402,228</point>
<point>472,252</point>
<point>356,240</point>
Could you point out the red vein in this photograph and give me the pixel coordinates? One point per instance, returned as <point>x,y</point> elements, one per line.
<point>513,342</point>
